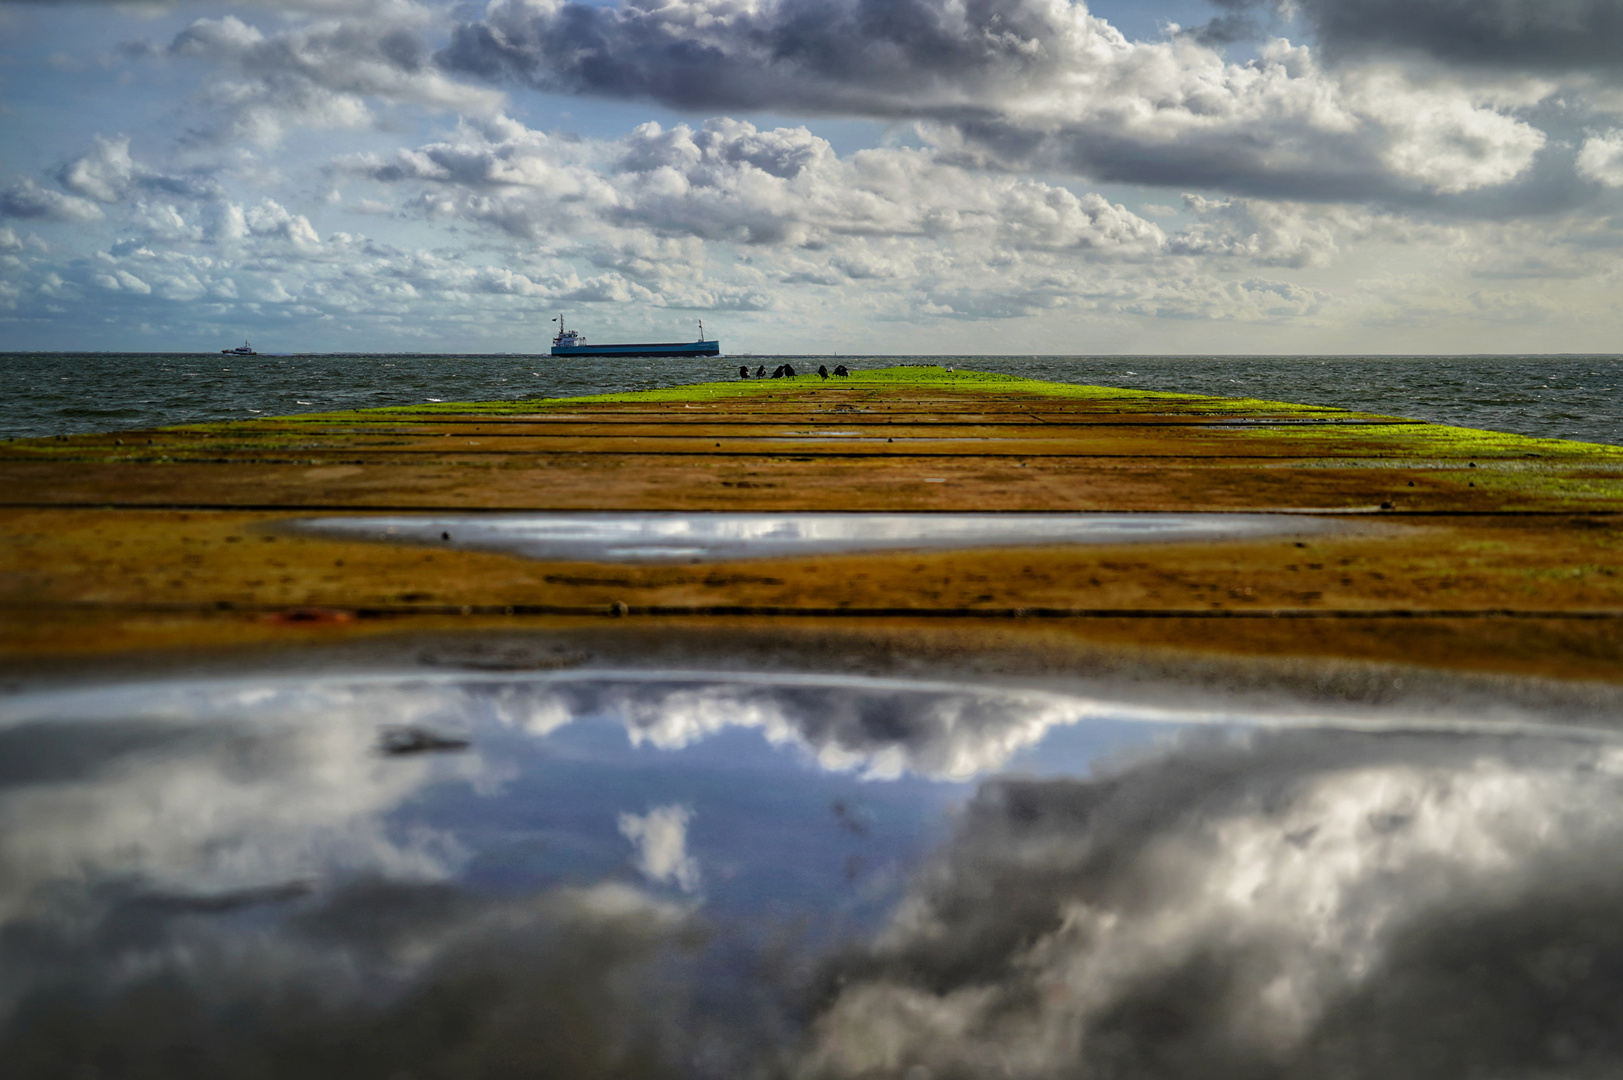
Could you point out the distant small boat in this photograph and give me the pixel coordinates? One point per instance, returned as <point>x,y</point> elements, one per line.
<point>244,349</point>
<point>570,343</point>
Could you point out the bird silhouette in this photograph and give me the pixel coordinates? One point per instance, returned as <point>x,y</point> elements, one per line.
<point>778,372</point>
<point>840,371</point>
<point>789,370</point>
<point>743,372</point>
<point>760,372</point>
<point>822,370</point>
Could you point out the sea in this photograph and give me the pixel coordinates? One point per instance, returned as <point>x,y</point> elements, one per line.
<point>1558,396</point>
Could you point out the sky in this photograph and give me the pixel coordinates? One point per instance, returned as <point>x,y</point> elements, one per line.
<point>855,176</point>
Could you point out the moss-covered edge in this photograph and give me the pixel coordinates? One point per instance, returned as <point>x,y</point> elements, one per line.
<point>1443,440</point>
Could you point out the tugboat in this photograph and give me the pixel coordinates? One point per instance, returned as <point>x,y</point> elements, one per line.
<point>570,343</point>
<point>241,350</point>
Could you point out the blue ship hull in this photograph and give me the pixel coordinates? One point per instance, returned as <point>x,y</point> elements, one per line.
<point>686,348</point>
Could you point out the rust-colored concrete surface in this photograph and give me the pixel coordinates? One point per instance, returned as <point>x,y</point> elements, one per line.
<point>1458,550</point>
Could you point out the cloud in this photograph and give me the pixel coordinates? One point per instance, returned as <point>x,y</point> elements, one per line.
<point>109,174</point>
<point>878,730</point>
<point>123,280</point>
<point>1269,234</point>
<point>1547,36</point>
<point>233,849</point>
<point>729,181</point>
<point>271,219</point>
<point>660,837</point>
<point>164,222</point>
<point>1225,30</point>
<point>1601,159</point>
<point>105,174</point>
<point>1289,904</point>
<point>175,808</point>
<point>896,57</point>
<point>225,867</point>
<point>403,978</point>
<point>1021,84</point>
<point>147,8</point>
<point>26,199</point>
<point>320,75</point>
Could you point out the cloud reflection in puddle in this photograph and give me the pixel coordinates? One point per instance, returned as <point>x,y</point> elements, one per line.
<point>601,884</point>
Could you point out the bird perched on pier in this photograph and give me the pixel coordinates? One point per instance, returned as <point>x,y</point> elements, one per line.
<point>778,372</point>
<point>789,371</point>
<point>840,371</point>
<point>744,372</point>
<point>822,370</point>
<point>760,372</point>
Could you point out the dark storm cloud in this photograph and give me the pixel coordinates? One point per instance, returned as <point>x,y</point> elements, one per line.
<point>882,57</point>
<point>1023,85</point>
<point>1521,35</point>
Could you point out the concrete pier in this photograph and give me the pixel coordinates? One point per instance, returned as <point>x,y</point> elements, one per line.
<point>1429,547</point>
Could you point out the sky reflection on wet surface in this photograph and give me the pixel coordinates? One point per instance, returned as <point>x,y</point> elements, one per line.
<point>710,537</point>
<point>643,873</point>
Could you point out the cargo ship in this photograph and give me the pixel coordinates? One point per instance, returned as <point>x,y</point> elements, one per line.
<point>570,343</point>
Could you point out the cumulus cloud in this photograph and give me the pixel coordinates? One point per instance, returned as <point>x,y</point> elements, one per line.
<point>1601,159</point>
<point>26,199</point>
<point>1270,234</point>
<point>320,75</point>
<point>729,181</point>
<point>105,174</point>
<point>1297,904</point>
<point>270,218</point>
<point>123,280</point>
<point>108,174</point>
<point>1020,84</point>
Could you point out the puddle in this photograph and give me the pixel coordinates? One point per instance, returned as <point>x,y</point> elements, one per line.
<point>710,874</point>
<point>715,537</point>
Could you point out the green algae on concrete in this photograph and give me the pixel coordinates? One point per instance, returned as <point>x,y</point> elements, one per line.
<point>907,375</point>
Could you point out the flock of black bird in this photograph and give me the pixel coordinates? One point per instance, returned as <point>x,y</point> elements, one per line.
<point>787,371</point>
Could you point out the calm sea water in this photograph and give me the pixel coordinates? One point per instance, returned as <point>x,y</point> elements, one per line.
<point>1570,397</point>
